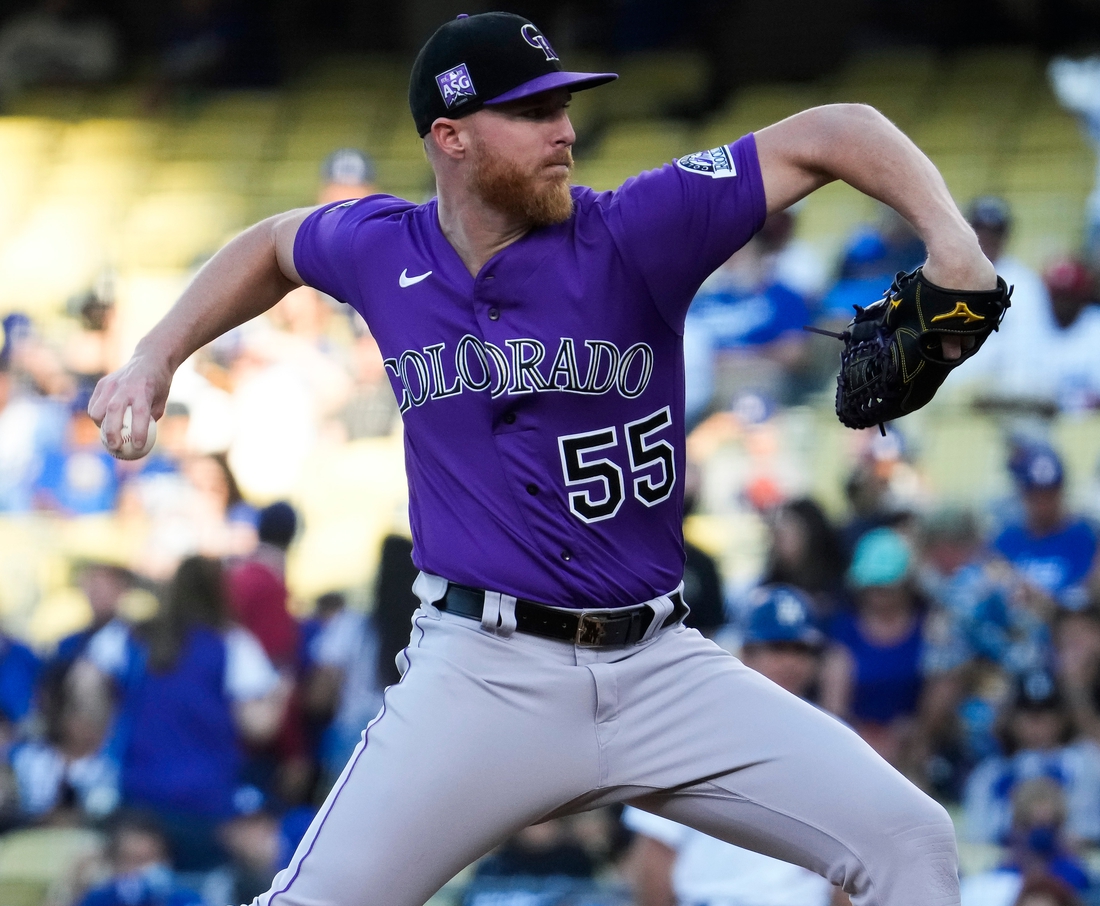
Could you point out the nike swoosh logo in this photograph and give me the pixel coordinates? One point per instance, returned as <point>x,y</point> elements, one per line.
<point>405,280</point>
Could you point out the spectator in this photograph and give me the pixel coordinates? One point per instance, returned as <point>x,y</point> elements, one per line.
<point>884,489</point>
<point>259,841</point>
<point>141,872</point>
<point>258,599</point>
<point>1077,85</point>
<point>371,410</point>
<point>1077,639</point>
<point>669,863</point>
<point>978,634</point>
<point>1042,351</point>
<point>354,656</point>
<point>804,550</point>
<point>1037,849</point>
<point>873,671</point>
<point>346,173</point>
<point>991,218</point>
<point>78,478</point>
<point>754,321</point>
<point>93,351</point>
<point>185,502</point>
<point>258,594</point>
<point>1043,890</point>
<point>67,776</point>
<point>1037,741</point>
<point>1052,551</point>
<point>871,258</point>
<point>545,850</point>
<point>702,582</point>
<point>29,425</point>
<point>103,584</point>
<point>191,690</point>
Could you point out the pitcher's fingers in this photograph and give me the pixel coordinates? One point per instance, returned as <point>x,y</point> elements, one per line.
<point>111,425</point>
<point>951,346</point>
<point>140,416</point>
<point>97,404</point>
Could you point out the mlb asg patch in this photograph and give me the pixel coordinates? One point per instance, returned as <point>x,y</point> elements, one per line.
<point>455,85</point>
<point>717,163</point>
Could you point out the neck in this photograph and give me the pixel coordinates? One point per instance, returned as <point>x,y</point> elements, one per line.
<point>476,230</point>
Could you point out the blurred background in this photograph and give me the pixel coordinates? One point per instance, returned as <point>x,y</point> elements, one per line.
<point>946,566</point>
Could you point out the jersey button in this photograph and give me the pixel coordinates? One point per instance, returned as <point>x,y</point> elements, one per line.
<point>494,314</point>
<point>509,418</point>
<point>567,554</point>
<point>532,489</point>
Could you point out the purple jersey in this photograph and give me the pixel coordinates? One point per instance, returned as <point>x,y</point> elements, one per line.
<point>543,399</point>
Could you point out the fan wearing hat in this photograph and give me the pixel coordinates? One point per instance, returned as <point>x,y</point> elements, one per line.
<point>1046,351</point>
<point>669,863</point>
<point>1052,551</point>
<point>1038,739</point>
<point>532,333</point>
<point>873,674</point>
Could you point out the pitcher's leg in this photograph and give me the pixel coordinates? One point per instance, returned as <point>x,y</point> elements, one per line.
<point>458,760</point>
<point>770,772</point>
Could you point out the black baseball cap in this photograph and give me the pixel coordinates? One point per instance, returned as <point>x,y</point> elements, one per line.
<point>490,58</point>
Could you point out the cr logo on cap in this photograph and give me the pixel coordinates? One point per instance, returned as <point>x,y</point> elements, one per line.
<point>533,37</point>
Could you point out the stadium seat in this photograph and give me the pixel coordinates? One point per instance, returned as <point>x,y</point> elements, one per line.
<point>37,865</point>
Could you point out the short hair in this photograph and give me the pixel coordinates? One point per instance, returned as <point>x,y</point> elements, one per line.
<point>277,524</point>
<point>135,821</point>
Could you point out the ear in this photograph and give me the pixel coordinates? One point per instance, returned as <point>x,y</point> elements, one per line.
<point>450,138</point>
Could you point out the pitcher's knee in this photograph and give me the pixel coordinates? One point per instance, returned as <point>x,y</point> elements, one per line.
<point>909,855</point>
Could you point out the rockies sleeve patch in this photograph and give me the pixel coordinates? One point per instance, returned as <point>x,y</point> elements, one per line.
<point>717,163</point>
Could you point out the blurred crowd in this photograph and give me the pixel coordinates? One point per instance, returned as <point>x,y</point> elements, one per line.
<point>203,713</point>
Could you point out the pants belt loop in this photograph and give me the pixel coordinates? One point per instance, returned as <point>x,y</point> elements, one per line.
<point>490,612</point>
<point>662,609</point>
<point>507,615</point>
<point>498,615</point>
<point>429,589</point>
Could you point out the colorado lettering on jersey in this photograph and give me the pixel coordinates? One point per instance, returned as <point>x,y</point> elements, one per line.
<point>523,366</point>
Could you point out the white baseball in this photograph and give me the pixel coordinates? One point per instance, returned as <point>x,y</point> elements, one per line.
<point>126,449</point>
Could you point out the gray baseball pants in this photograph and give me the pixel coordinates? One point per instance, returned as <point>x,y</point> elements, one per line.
<point>489,731</point>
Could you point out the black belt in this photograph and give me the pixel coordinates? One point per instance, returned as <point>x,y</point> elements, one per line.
<point>586,628</point>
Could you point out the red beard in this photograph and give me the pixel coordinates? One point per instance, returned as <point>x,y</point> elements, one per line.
<point>536,199</point>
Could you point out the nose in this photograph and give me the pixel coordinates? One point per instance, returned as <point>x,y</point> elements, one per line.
<point>566,136</point>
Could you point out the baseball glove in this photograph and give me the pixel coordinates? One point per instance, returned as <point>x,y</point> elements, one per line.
<point>892,363</point>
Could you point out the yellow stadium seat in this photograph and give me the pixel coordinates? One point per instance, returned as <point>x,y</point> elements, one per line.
<point>235,108</point>
<point>114,138</point>
<point>405,177</point>
<point>114,181</point>
<point>1002,66</point>
<point>1050,172</point>
<point>39,865</point>
<point>758,106</point>
<point>202,176</point>
<point>174,229</point>
<point>646,144</point>
<point>967,174</point>
<point>219,141</point>
<point>894,66</point>
<point>603,174</point>
<point>318,143</point>
<point>1051,130</point>
<point>27,138</point>
<point>298,177</point>
<point>55,253</point>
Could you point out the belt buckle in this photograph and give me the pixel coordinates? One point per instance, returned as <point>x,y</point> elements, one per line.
<point>591,630</point>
